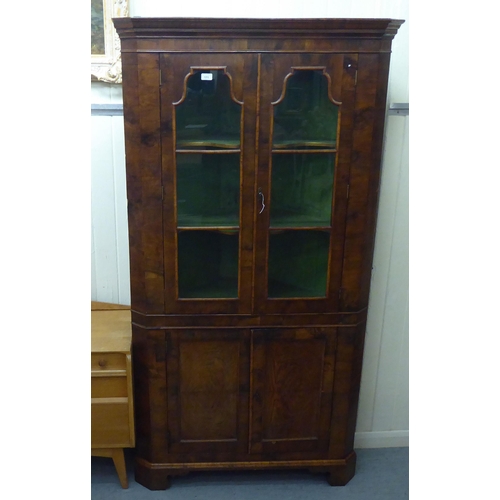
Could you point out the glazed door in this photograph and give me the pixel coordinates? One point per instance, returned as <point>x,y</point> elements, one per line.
<point>292,389</point>
<point>302,186</point>
<point>208,117</point>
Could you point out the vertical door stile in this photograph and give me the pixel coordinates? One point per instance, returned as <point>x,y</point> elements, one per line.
<point>348,68</point>
<point>255,170</point>
<point>261,191</point>
<point>168,181</point>
<point>249,96</point>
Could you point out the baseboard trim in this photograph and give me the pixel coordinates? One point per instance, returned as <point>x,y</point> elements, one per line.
<point>382,439</point>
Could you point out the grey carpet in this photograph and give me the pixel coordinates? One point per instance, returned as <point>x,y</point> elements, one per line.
<point>381,474</point>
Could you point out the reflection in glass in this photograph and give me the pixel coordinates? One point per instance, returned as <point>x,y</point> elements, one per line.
<point>208,189</point>
<point>305,118</point>
<point>301,189</point>
<point>208,117</point>
<point>298,263</point>
<point>208,264</point>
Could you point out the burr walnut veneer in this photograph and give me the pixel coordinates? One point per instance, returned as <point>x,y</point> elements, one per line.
<point>253,152</point>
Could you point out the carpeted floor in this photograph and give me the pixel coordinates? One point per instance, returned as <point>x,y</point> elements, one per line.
<point>381,474</point>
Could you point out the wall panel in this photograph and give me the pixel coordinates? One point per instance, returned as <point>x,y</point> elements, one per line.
<point>110,262</point>
<point>384,384</point>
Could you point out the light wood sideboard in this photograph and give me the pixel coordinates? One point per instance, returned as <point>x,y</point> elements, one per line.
<point>112,407</point>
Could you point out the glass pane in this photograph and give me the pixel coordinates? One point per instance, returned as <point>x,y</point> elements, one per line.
<point>208,117</point>
<point>306,118</point>
<point>301,189</point>
<point>208,190</point>
<point>208,264</point>
<point>298,263</point>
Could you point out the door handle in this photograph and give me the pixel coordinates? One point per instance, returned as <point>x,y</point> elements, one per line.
<point>261,194</point>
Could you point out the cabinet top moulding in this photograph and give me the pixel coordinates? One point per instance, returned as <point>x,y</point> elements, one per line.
<point>156,27</point>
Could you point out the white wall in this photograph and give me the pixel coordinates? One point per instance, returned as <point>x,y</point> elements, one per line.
<point>383,416</point>
<point>383,408</point>
<point>109,238</point>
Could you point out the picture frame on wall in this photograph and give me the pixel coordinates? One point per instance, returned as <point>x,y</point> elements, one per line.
<point>105,43</point>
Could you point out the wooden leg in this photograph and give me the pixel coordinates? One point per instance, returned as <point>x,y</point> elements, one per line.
<point>119,461</point>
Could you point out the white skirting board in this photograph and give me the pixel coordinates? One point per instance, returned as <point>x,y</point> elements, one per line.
<point>382,439</point>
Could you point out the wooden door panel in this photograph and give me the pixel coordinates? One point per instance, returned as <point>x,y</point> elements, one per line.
<point>292,387</point>
<point>207,384</point>
<point>292,381</point>
<point>208,389</point>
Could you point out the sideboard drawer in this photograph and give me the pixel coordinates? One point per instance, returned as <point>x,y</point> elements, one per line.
<point>109,387</point>
<point>108,361</point>
<point>111,423</point>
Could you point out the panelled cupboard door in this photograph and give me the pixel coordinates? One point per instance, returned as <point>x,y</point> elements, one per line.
<point>207,388</point>
<point>292,390</point>
<point>306,113</point>
<point>208,122</point>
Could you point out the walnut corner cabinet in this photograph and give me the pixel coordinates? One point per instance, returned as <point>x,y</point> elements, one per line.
<point>253,150</point>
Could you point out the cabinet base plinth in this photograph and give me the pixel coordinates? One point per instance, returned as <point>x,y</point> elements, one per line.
<point>156,476</point>
<point>340,476</point>
<point>151,477</point>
